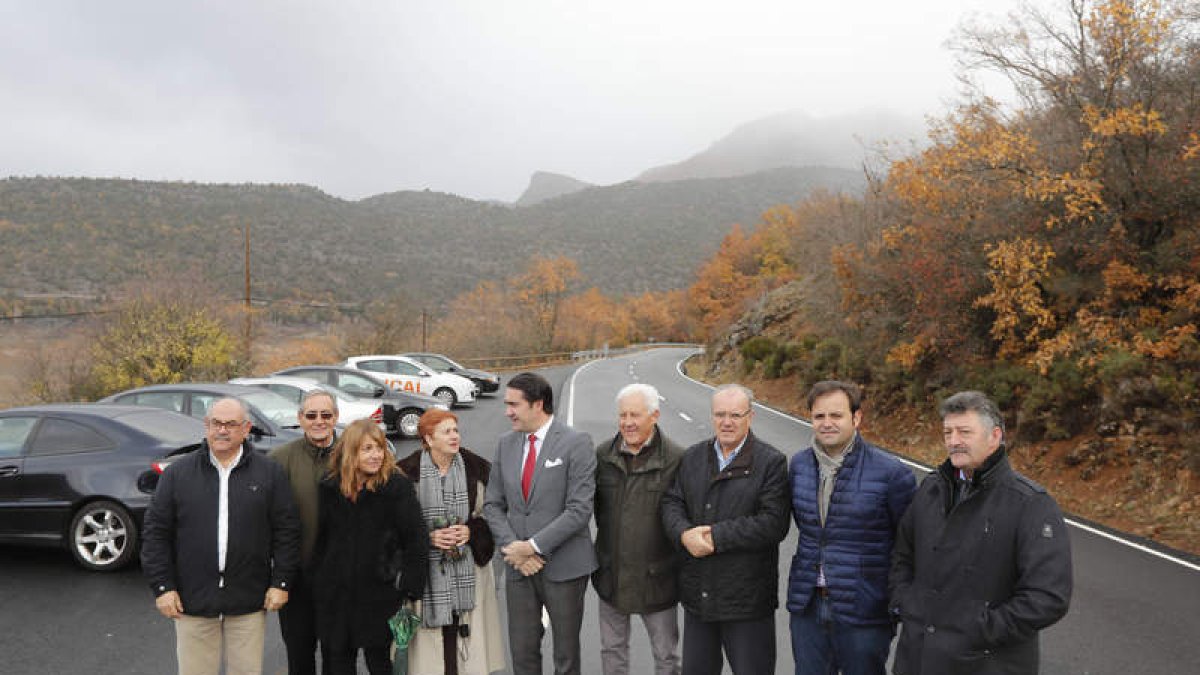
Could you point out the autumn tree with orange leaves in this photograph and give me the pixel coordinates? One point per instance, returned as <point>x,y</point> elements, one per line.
<point>539,311</point>
<point>1047,252</point>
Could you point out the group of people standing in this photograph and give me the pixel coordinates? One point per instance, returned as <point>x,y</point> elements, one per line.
<point>336,535</point>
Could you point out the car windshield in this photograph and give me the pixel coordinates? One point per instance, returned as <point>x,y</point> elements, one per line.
<point>440,363</point>
<point>273,406</point>
<point>170,428</point>
<point>340,393</point>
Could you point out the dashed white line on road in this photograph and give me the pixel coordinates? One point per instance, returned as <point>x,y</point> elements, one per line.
<point>685,417</point>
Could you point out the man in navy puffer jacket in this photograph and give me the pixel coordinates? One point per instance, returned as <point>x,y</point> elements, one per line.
<point>847,499</point>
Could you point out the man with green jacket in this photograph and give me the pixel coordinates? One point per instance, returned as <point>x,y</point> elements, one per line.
<point>305,461</point>
<point>637,561</point>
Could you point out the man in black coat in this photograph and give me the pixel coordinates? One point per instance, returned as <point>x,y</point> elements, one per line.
<point>982,560</point>
<point>221,544</point>
<point>727,510</point>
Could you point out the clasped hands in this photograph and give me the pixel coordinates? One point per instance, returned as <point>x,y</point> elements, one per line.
<point>451,537</point>
<point>698,541</point>
<point>522,556</point>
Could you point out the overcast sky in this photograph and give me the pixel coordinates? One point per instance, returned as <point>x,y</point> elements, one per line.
<point>361,97</point>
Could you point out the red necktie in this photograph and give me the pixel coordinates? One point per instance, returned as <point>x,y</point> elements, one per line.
<point>530,462</point>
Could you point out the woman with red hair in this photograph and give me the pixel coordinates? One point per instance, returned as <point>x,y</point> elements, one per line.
<point>460,624</point>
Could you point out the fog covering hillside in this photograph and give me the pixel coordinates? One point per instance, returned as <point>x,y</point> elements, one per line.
<point>795,138</point>
<point>72,235</point>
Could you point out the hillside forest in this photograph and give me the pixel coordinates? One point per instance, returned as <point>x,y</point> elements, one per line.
<point>1045,250</point>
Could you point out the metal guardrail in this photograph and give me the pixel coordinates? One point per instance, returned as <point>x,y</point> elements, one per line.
<point>525,361</point>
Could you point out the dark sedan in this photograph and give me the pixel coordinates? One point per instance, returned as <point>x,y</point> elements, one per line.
<point>401,409</point>
<point>272,417</point>
<point>488,383</point>
<point>81,475</point>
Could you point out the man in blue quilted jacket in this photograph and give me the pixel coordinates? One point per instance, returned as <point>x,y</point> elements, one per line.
<point>847,500</point>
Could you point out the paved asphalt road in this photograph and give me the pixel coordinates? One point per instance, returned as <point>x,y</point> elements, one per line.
<point>1132,612</point>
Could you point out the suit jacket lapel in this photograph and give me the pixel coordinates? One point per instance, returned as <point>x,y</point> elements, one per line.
<point>545,455</point>
<point>520,441</point>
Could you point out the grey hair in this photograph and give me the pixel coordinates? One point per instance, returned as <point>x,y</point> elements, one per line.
<point>742,388</point>
<point>976,402</point>
<point>648,392</point>
<point>319,391</point>
<point>240,404</point>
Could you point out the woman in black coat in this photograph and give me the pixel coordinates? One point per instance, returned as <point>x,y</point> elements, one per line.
<point>371,550</point>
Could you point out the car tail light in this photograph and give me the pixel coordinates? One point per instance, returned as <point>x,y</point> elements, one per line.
<point>377,416</point>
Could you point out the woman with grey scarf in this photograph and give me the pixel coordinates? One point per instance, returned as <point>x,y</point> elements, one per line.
<point>460,625</point>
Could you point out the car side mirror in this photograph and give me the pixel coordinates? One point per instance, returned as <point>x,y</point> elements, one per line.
<point>380,391</point>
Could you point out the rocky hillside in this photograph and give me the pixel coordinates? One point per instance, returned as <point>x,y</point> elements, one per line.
<point>64,236</point>
<point>544,185</point>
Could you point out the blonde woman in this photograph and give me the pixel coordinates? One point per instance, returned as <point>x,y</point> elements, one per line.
<point>370,554</point>
<point>460,624</point>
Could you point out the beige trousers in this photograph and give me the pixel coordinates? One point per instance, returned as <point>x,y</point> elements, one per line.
<point>200,643</point>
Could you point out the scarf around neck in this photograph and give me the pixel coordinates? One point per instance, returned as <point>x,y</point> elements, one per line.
<point>445,501</point>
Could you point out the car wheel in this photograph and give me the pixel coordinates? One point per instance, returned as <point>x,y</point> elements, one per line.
<point>406,422</point>
<point>447,395</point>
<point>103,536</point>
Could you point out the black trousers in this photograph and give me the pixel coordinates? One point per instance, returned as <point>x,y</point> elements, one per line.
<point>748,645</point>
<point>298,625</point>
<point>379,661</point>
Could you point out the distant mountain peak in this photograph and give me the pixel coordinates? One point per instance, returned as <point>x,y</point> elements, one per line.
<point>545,185</point>
<point>792,138</point>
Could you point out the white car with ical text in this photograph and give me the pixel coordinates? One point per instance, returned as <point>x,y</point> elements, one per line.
<point>405,374</point>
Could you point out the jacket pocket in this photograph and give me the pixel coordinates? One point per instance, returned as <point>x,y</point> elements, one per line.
<point>660,583</point>
<point>871,592</point>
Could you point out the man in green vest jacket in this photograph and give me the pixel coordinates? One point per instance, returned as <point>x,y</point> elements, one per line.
<point>305,461</point>
<point>637,561</point>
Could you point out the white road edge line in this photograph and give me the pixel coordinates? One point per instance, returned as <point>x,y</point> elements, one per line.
<point>679,369</point>
<point>571,393</point>
<point>922,467</point>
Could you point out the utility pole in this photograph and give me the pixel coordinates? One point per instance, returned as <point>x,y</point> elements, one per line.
<point>246,321</point>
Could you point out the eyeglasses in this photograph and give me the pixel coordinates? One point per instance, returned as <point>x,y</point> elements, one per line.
<point>312,415</point>
<point>229,425</point>
<point>735,416</point>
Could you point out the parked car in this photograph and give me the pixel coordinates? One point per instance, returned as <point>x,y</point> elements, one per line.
<point>350,408</point>
<point>488,383</point>
<point>272,417</point>
<point>405,374</point>
<point>401,409</point>
<point>81,475</point>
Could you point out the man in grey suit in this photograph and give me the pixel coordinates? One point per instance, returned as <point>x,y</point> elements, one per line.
<point>538,504</point>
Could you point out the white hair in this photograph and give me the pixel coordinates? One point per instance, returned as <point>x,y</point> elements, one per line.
<point>649,394</point>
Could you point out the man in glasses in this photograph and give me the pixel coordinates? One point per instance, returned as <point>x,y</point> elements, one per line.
<point>220,547</point>
<point>305,460</point>
<point>727,510</point>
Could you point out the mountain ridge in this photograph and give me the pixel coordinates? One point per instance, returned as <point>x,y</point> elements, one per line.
<point>90,235</point>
